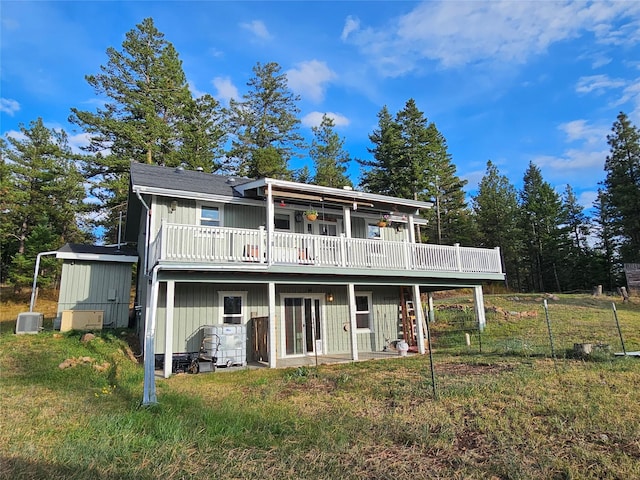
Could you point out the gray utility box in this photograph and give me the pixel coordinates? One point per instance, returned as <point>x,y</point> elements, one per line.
<point>233,344</point>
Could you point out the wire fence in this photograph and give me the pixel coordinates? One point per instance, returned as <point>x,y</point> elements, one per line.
<point>537,327</point>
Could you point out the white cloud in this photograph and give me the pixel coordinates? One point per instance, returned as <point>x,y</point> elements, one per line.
<point>598,84</point>
<point>16,134</point>
<point>455,34</point>
<point>309,79</point>
<point>580,130</point>
<point>258,28</point>
<point>314,119</point>
<point>226,90</point>
<point>473,179</point>
<point>579,167</point>
<point>81,140</point>
<point>9,106</point>
<point>351,24</point>
<point>194,90</point>
<point>587,198</point>
<point>631,94</point>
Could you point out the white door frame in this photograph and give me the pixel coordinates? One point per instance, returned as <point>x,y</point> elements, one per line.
<point>323,329</point>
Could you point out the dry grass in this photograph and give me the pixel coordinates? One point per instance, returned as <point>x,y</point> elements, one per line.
<point>495,417</point>
<point>12,303</point>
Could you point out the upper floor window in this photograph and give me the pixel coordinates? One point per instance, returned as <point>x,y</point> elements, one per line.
<point>282,221</point>
<point>210,216</point>
<point>373,231</point>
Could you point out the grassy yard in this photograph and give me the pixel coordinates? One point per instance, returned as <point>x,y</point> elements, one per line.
<point>496,416</point>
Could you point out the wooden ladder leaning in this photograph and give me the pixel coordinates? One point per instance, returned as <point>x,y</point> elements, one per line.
<point>408,317</point>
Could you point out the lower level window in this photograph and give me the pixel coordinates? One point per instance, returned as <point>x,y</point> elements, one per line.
<point>363,311</point>
<point>232,307</point>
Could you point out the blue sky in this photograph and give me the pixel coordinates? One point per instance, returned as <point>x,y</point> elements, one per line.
<point>511,81</point>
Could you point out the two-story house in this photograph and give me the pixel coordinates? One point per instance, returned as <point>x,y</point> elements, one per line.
<point>223,250</point>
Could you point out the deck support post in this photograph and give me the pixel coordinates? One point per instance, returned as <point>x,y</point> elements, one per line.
<point>346,213</point>
<point>351,295</point>
<point>478,303</point>
<point>420,333</point>
<point>432,313</point>
<point>272,325</point>
<point>168,333</point>
<point>269,225</point>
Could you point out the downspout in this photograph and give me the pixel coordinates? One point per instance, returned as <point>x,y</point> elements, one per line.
<point>149,384</point>
<point>35,279</point>
<point>148,234</point>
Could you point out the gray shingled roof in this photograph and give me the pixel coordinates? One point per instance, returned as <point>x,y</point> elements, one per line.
<point>78,248</point>
<point>169,178</point>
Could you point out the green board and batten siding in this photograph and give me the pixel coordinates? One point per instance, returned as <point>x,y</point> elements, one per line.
<point>198,304</point>
<point>186,212</point>
<point>105,286</point>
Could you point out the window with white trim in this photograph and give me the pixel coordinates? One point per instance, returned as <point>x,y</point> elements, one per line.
<point>363,311</point>
<point>282,221</point>
<point>373,231</point>
<point>233,306</point>
<point>210,216</point>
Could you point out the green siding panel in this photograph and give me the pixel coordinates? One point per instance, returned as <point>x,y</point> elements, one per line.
<point>196,305</point>
<point>244,216</point>
<point>97,286</point>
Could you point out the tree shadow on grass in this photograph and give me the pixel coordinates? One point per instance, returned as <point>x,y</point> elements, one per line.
<point>17,468</point>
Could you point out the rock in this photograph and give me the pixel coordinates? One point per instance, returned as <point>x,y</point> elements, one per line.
<point>66,364</point>
<point>87,337</point>
<point>103,367</point>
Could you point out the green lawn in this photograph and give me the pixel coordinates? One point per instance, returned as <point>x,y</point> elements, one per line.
<point>496,416</point>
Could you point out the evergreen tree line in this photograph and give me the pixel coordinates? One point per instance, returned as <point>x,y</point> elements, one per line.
<point>51,195</point>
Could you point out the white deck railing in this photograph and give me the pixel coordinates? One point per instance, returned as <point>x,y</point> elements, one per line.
<point>197,244</point>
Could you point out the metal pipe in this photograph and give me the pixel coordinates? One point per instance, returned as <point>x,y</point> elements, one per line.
<point>615,315</point>
<point>35,279</point>
<point>148,234</point>
<point>149,383</point>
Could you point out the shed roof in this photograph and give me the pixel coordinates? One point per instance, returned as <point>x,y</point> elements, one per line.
<point>98,253</point>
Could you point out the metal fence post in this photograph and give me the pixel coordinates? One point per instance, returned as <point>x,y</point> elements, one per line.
<point>615,315</point>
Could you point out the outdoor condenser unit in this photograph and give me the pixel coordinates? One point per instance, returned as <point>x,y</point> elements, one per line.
<point>29,322</point>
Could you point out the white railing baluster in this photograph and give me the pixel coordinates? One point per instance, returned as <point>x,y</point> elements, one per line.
<point>194,243</point>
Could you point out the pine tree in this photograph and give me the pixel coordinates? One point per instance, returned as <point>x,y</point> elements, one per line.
<point>449,220</point>
<point>622,185</point>
<point>578,260</point>
<point>606,261</point>
<point>418,156</point>
<point>329,157</point>
<point>411,160</point>
<point>264,124</point>
<point>45,198</point>
<point>377,174</point>
<point>149,116</point>
<point>542,217</point>
<point>497,213</point>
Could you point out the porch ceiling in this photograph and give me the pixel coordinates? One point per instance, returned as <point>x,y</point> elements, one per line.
<point>328,196</point>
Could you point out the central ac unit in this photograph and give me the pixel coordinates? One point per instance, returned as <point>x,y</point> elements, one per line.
<point>29,322</point>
